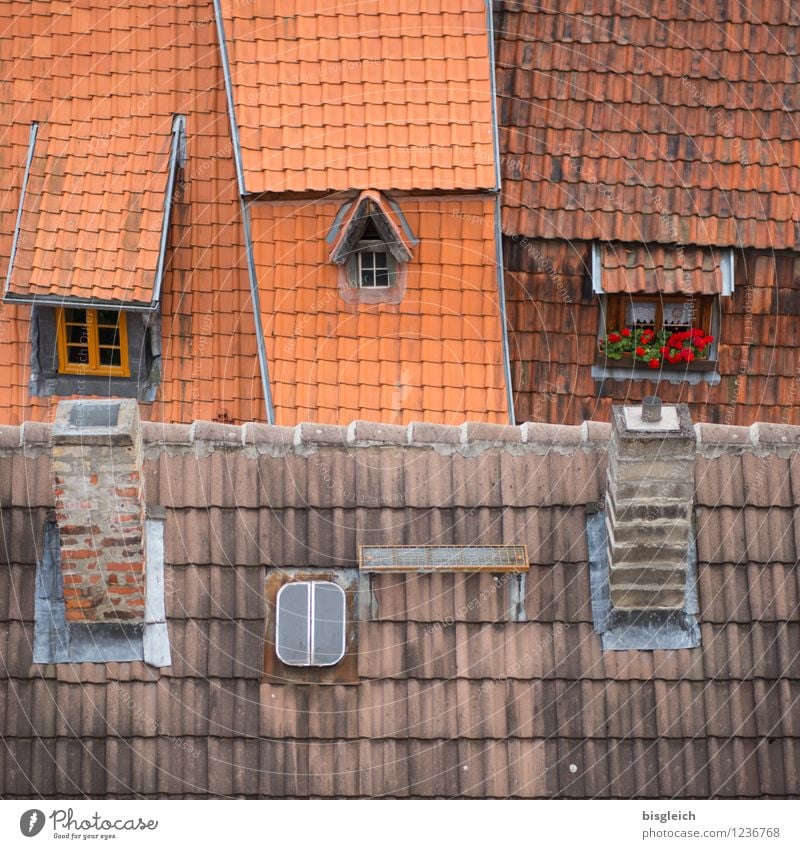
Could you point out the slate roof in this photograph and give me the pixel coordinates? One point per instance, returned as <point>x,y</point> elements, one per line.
<point>650,122</point>
<point>379,94</point>
<point>454,699</point>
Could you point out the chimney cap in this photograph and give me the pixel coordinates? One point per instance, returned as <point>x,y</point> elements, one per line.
<point>104,421</point>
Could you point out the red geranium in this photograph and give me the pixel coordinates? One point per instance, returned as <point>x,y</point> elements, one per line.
<point>614,337</point>
<point>654,363</point>
<point>640,351</point>
<point>626,332</point>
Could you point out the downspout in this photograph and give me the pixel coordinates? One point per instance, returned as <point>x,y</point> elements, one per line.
<point>251,268</point>
<point>498,229</point>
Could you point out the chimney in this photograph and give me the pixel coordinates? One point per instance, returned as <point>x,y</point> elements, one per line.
<point>649,495</point>
<point>97,478</point>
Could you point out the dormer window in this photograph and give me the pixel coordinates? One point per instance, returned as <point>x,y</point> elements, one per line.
<point>371,246</point>
<point>371,266</point>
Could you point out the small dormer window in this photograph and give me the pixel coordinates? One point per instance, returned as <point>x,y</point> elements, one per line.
<point>371,266</point>
<point>371,245</point>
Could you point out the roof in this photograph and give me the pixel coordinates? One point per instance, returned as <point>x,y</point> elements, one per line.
<point>93,211</point>
<point>657,269</point>
<point>104,80</point>
<point>454,699</point>
<point>382,95</point>
<point>431,351</point>
<point>675,125</point>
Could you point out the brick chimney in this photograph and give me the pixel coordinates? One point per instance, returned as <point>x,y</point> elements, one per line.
<point>97,478</point>
<point>649,497</point>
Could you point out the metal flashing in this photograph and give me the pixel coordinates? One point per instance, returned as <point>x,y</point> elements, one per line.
<point>647,630</point>
<point>176,158</point>
<point>57,641</point>
<point>226,73</point>
<point>23,189</point>
<point>501,297</point>
<point>261,344</point>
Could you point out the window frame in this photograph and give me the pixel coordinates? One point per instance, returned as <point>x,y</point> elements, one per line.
<point>614,312</point>
<point>274,671</point>
<point>93,366</point>
<point>371,246</point>
<point>311,623</point>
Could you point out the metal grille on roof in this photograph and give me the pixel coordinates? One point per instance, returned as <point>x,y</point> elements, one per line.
<point>444,558</point>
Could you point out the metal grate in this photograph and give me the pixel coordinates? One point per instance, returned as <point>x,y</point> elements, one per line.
<point>443,558</point>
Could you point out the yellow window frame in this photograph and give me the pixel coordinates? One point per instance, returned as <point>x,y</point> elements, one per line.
<point>93,366</point>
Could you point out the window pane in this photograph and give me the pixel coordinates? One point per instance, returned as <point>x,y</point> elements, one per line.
<point>77,356</point>
<point>109,357</point>
<point>291,637</point>
<point>382,277</point>
<point>640,314</point>
<point>381,261</point>
<point>110,317</point>
<point>367,277</point>
<point>75,316</point>
<point>108,336</point>
<point>77,335</point>
<point>678,314</point>
<point>329,623</point>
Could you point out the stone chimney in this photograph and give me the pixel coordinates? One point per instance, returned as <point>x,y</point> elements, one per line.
<point>649,498</point>
<point>97,478</point>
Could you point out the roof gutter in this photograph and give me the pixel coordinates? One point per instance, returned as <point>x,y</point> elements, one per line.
<point>248,238</point>
<point>23,190</point>
<point>498,229</point>
<point>177,157</point>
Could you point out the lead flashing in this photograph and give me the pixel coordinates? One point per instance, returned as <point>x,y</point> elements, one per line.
<point>648,630</point>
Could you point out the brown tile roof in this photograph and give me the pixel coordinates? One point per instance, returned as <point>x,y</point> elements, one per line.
<point>658,269</point>
<point>382,95</point>
<point>454,700</point>
<point>618,123</point>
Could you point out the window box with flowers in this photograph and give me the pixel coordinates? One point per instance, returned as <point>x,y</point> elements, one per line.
<point>647,334</point>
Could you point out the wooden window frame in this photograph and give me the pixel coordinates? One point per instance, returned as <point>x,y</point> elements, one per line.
<point>615,311</point>
<point>354,266</point>
<point>93,366</point>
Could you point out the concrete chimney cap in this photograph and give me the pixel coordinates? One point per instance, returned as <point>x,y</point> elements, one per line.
<point>105,421</point>
<point>675,423</point>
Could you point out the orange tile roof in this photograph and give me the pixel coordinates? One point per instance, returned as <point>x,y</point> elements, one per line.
<point>383,94</point>
<point>436,356</point>
<point>641,123</point>
<point>656,268</point>
<point>92,214</point>
<point>117,72</point>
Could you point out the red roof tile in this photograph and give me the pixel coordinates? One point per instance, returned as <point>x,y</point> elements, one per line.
<point>331,360</point>
<point>361,95</point>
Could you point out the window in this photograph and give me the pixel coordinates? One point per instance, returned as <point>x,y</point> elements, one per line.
<point>371,266</point>
<point>373,269</point>
<point>310,629</point>
<point>92,342</point>
<point>659,330</point>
